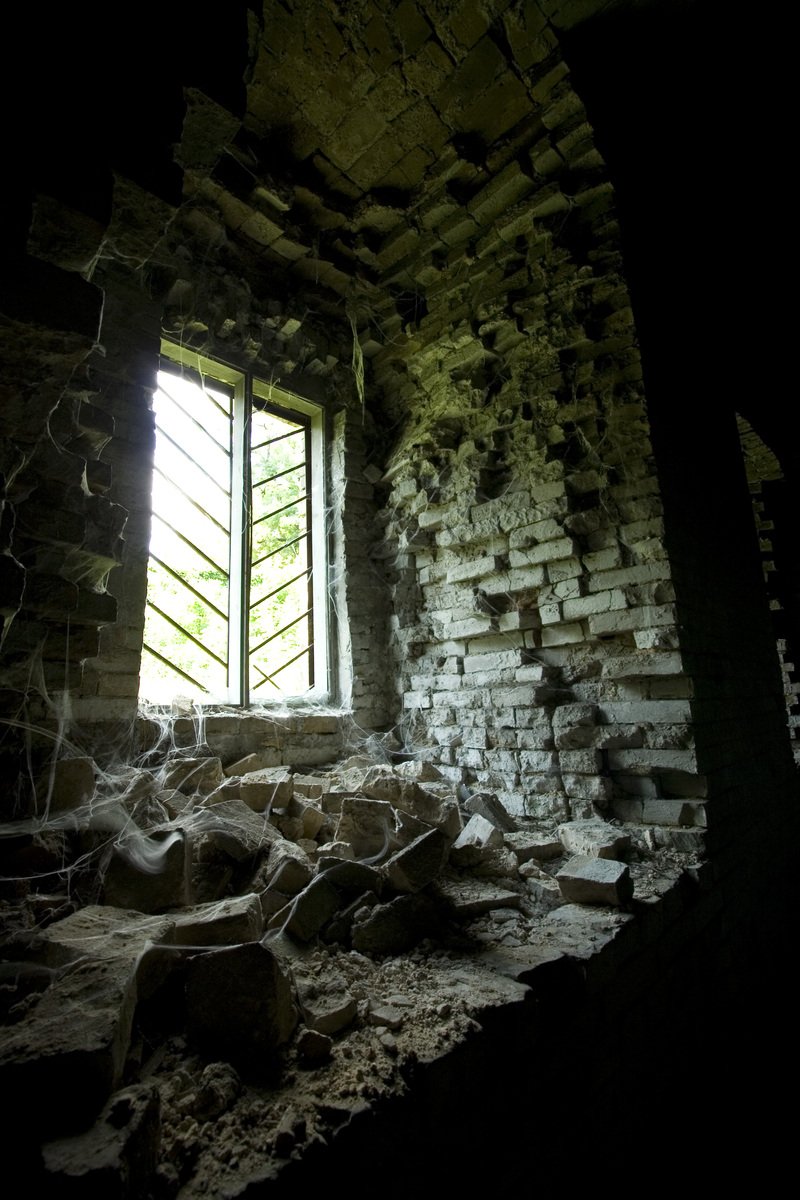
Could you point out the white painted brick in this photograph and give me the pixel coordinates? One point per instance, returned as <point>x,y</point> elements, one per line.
<point>602,560</point>
<point>515,639</point>
<point>481,679</point>
<point>548,491</point>
<point>520,618</point>
<point>580,762</point>
<point>622,666</point>
<point>656,639</point>
<point>644,573</point>
<point>513,697</point>
<point>565,568</point>
<point>521,579</point>
<point>537,760</point>
<point>531,673</point>
<point>644,618</point>
<point>509,506</point>
<point>539,531</point>
<point>477,569</point>
<point>460,699</point>
<point>440,683</point>
<point>588,787</point>
<point>495,661</point>
<point>567,589</point>
<point>433,518</point>
<point>658,712</point>
<point>474,627</point>
<point>550,614</point>
<point>648,761</point>
<point>561,635</point>
<point>600,602</point>
<point>543,552</point>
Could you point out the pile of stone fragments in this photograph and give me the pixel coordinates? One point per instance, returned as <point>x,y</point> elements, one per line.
<point>219,965</point>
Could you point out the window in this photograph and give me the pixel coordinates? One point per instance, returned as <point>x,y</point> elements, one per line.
<point>236,592</point>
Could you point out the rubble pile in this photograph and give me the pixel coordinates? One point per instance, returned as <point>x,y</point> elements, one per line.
<point>231,949</point>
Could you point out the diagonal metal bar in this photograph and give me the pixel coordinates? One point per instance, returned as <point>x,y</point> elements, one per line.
<point>225,449</point>
<point>287,583</point>
<point>193,502</point>
<point>278,475</point>
<point>185,632</point>
<point>190,544</point>
<point>186,584</point>
<point>172,667</point>
<point>283,508</point>
<point>278,632</point>
<point>280,438</point>
<point>193,461</point>
<point>271,678</point>
<point>264,557</point>
<point>198,380</point>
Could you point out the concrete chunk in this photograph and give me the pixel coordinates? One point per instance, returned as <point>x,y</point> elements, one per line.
<point>368,825</point>
<point>310,910</point>
<point>288,868</point>
<point>410,869</point>
<point>193,774</point>
<point>117,1157</point>
<point>487,805</point>
<point>234,829</point>
<point>594,839</point>
<point>149,873</point>
<point>239,1003</point>
<point>477,835</point>
<point>266,789</point>
<point>529,846</point>
<point>471,897</point>
<point>220,923</point>
<point>585,880</point>
<point>325,1001</point>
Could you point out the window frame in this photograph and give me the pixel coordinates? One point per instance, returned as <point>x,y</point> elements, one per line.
<point>250,392</point>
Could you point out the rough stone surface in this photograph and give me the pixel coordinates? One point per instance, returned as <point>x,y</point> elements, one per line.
<point>239,1003</point>
<point>117,1157</point>
<point>585,880</point>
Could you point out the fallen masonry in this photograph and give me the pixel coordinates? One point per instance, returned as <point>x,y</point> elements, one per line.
<point>247,973</point>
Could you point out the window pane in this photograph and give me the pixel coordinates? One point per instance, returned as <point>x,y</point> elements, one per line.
<point>186,625</point>
<point>280,617</point>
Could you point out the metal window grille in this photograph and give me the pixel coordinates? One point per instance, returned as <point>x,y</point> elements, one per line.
<point>235,598</point>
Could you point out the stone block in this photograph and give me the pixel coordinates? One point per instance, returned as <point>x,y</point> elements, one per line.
<point>533,847</point>
<point>265,789</point>
<point>288,869</point>
<point>396,927</point>
<point>487,805</point>
<point>326,1004</point>
<point>70,782</point>
<point>193,774</point>
<point>368,825</point>
<point>220,923</point>
<point>562,635</point>
<point>477,836</point>
<point>257,761</point>
<point>310,910</point>
<point>350,877</point>
<point>415,866</point>
<point>239,1003</point>
<point>594,839</point>
<point>115,1159</point>
<point>74,1042</point>
<point>233,829</point>
<point>585,880</point>
<point>149,873</point>
<point>467,898</point>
